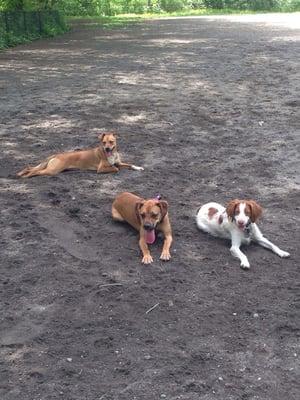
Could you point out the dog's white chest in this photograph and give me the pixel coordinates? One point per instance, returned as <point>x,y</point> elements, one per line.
<point>113,159</point>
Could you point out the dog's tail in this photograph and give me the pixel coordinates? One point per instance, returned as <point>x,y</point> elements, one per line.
<point>27,171</point>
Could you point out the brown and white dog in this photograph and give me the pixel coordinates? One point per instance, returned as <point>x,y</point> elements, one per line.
<point>236,222</point>
<point>146,216</point>
<point>102,159</point>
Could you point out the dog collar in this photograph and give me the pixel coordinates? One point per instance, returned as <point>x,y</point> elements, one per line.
<point>248,227</point>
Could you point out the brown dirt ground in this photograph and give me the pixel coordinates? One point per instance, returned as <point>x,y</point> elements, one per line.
<point>209,108</point>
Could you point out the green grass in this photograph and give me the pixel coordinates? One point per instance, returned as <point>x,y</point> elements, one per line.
<point>123,20</point>
<point>108,22</point>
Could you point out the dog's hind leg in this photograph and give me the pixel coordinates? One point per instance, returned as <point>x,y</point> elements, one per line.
<point>116,215</point>
<point>202,225</point>
<point>24,171</point>
<point>40,173</point>
<point>53,167</point>
<point>29,171</point>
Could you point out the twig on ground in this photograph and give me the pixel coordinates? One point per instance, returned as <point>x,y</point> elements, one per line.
<point>111,284</point>
<point>152,308</point>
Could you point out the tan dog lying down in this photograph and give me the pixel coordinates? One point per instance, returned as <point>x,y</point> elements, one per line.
<point>102,159</point>
<point>146,216</point>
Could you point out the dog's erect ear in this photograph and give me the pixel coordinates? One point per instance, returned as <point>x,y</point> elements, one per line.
<point>256,210</point>
<point>100,137</point>
<point>138,206</point>
<point>230,209</point>
<point>163,205</point>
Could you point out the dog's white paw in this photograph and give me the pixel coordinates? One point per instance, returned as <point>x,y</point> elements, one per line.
<point>245,264</point>
<point>147,259</point>
<point>283,254</point>
<point>136,168</point>
<point>165,256</point>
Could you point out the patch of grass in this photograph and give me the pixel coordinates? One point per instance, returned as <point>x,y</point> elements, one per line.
<point>107,22</point>
<point>123,20</point>
<point>207,11</point>
<point>51,31</point>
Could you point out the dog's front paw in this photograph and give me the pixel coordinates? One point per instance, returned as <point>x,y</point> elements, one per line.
<point>147,259</point>
<point>165,256</point>
<point>283,254</point>
<point>135,168</point>
<point>245,264</point>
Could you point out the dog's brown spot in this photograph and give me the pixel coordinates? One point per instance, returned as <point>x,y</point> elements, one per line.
<point>220,220</point>
<point>211,212</point>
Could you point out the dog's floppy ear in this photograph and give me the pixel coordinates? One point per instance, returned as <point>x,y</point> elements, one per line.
<point>255,209</point>
<point>230,209</point>
<point>138,206</point>
<point>100,137</point>
<point>163,205</point>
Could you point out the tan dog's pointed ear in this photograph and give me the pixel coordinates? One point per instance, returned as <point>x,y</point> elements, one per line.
<point>230,209</point>
<point>100,137</point>
<point>138,206</point>
<point>256,210</point>
<point>163,205</point>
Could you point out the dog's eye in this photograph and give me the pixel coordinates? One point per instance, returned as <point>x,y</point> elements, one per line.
<point>111,142</point>
<point>143,215</point>
<point>154,215</point>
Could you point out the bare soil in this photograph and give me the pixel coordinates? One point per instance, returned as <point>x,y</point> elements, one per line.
<point>209,107</point>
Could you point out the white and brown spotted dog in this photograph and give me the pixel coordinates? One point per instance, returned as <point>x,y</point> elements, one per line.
<point>235,222</point>
<point>103,159</point>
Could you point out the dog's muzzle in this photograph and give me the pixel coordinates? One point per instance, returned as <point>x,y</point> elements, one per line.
<point>149,227</point>
<point>244,227</point>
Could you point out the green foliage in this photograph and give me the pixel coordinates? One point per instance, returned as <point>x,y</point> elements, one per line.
<point>23,26</point>
<point>115,7</point>
<point>172,5</point>
<point>16,27</point>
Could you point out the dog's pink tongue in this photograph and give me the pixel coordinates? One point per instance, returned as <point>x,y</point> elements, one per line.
<point>150,236</point>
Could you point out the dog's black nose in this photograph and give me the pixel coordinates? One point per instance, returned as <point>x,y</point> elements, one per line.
<point>148,226</point>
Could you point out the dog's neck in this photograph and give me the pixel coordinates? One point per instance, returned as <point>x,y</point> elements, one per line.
<point>246,231</point>
<point>111,158</point>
